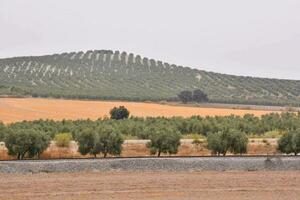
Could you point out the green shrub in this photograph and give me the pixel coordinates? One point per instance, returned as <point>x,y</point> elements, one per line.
<point>273,134</point>
<point>196,139</point>
<point>63,139</point>
<point>193,136</point>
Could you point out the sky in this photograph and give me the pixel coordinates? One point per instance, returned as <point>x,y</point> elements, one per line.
<point>250,37</point>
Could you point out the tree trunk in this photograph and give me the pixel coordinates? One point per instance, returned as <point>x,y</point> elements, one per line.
<point>104,155</point>
<point>158,154</point>
<point>23,155</point>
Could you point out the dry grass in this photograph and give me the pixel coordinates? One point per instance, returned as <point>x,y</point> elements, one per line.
<point>14,109</point>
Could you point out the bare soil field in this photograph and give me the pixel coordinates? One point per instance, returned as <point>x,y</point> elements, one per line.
<point>18,109</point>
<point>152,185</point>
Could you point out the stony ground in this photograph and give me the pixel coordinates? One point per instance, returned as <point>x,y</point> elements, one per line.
<point>153,164</point>
<point>152,185</point>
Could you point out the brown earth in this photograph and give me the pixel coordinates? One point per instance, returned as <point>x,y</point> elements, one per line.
<point>138,148</point>
<point>18,109</point>
<point>152,185</point>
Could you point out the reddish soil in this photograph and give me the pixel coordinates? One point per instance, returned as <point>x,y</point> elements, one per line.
<point>152,185</point>
<point>14,109</point>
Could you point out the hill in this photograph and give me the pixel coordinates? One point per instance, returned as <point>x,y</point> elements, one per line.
<point>104,74</point>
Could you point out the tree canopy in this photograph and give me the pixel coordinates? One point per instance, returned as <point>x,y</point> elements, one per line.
<point>119,113</point>
<point>231,140</point>
<point>103,139</point>
<point>164,140</point>
<point>26,143</point>
<point>290,142</point>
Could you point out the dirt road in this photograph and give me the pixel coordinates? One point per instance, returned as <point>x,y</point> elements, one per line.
<point>152,185</point>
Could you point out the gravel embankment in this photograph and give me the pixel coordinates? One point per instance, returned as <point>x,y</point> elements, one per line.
<point>153,164</point>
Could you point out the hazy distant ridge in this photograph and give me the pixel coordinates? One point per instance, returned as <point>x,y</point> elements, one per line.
<point>105,74</point>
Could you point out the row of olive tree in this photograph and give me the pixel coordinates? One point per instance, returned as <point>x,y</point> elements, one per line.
<point>104,140</point>
<point>139,127</point>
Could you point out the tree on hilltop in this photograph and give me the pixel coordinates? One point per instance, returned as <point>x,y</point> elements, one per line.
<point>119,113</point>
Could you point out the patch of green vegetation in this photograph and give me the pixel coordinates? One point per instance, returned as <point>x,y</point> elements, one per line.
<point>130,137</point>
<point>63,139</point>
<point>194,136</point>
<point>268,134</point>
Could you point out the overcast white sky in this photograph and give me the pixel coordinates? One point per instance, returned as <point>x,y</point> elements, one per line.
<point>243,37</point>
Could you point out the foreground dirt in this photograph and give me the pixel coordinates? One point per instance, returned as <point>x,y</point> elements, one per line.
<point>14,109</point>
<point>152,185</point>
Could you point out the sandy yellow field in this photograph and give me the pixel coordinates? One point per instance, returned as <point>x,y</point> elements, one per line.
<point>18,109</point>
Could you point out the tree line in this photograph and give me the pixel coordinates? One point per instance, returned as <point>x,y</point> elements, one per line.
<point>105,136</point>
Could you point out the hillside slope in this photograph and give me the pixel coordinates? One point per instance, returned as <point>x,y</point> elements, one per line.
<point>103,74</point>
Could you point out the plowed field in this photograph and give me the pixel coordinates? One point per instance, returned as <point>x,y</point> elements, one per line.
<point>152,185</point>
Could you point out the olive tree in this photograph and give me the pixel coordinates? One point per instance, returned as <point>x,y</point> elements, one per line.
<point>3,131</point>
<point>290,142</point>
<point>103,140</point>
<point>218,143</point>
<point>238,142</point>
<point>26,143</point>
<point>164,140</point>
<point>109,141</point>
<point>231,140</point>
<point>87,141</point>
